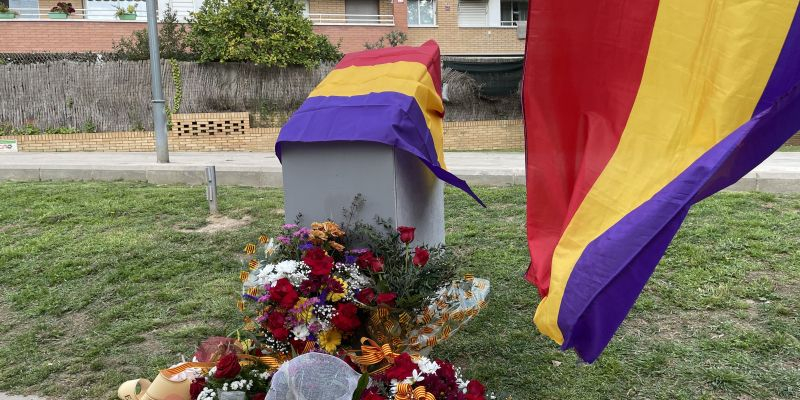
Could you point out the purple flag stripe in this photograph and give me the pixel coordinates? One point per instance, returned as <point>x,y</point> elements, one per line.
<point>787,68</point>
<point>390,118</point>
<point>614,268</point>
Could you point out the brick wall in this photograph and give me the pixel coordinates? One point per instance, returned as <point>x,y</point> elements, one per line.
<point>484,135</point>
<point>455,40</point>
<point>352,37</point>
<point>18,36</point>
<point>471,135</point>
<point>326,7</point>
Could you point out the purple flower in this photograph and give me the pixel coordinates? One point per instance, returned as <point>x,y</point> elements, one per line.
<point>348,259</point>
<point>249,297</point>
<point>302,232</point>
<point>289,226</point>
<point>283,239</point>
<point>306,246</point>
<point>358,252</point>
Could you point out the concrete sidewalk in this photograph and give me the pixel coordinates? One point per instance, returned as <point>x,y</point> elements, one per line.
<point>778,174</point>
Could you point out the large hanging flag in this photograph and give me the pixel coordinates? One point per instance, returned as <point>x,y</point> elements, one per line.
<point>634,111</point>
<point>391,96</point>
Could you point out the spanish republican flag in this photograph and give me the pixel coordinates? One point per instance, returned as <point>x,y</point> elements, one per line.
<point>634,111</point>
<point>391,96</point>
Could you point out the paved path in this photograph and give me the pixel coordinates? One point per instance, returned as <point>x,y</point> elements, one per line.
<point>779,174</point>
<point>4,396</point>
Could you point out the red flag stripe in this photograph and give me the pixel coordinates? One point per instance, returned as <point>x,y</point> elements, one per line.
<point>598,49</point>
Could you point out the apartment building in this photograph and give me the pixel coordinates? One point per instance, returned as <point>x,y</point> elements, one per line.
<point>463,28</point>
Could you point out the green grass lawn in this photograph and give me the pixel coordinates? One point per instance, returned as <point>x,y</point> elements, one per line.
<point>789,148</point>
<point>99,285</point>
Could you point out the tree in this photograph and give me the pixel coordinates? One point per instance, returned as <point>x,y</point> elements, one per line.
<point>171,37</point>
<point>267,32</point>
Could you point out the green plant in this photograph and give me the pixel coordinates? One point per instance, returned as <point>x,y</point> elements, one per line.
<point>177,80</point>
<point>59,131</point>
<point>266,32</point>
<point>171,37</point>
<point>28,129</point>
<point>137,126</point>
<point>5,10</point>
<point>131,9</point>
<point>89,126</point>
<point>394,38</point>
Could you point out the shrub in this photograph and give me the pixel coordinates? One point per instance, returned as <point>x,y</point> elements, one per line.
<point>171,38</point>
<point>273,33</point>
<point>395,38</point>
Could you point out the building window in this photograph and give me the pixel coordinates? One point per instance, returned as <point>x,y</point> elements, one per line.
<point>473,13</point>
<point>421,12</point>
<point>512,11</point>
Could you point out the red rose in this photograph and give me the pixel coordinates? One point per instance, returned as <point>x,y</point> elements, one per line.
<point>196,387</point>
<point>402,368</point>
<point>370,261</point>
<point>475,391</point>
<point>258,396</point>
<point>283,293</point>
<point>320,263</point>
<point>280,334</point>
<point>346,318</point>
<point>276,322</point>
<point>387,298</point>
<point>227,367</point>
<point>366,296</point>
<point>421,256</point>
<point>406,233</point>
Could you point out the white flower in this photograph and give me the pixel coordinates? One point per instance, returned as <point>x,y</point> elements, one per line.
<point>427,366</point>
<point>414,378</point>
<point>286,267</point>
<point>206,394</point>
<point>270,248</point>
<point>300,332</point>
<point>212,371</point>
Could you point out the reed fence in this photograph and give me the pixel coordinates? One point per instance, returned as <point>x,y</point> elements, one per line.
<point>115,95</point>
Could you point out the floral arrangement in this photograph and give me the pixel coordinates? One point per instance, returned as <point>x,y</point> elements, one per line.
<point>307,290</point>
<point>64,8</point>
<point>363,296</point>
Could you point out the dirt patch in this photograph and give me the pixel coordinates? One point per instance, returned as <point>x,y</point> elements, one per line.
<point>220,223</point>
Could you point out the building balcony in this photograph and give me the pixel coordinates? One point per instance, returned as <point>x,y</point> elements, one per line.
<point>351,19</point>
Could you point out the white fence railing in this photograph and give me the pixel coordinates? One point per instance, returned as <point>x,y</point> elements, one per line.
<point>350,19</point>
<point>82,13</point>
<point>109,15</point>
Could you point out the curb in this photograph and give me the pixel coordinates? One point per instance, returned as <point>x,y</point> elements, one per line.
<point>769,182</point>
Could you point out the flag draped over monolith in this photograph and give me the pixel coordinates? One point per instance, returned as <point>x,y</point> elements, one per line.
<point>634,111</point>
<point>391,96</point>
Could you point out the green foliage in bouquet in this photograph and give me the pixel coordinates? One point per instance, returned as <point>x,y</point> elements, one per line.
<point>403,272</point>
<point>414,283</point>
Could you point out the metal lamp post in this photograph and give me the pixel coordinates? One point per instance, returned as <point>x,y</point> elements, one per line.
<point>159,113</point>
